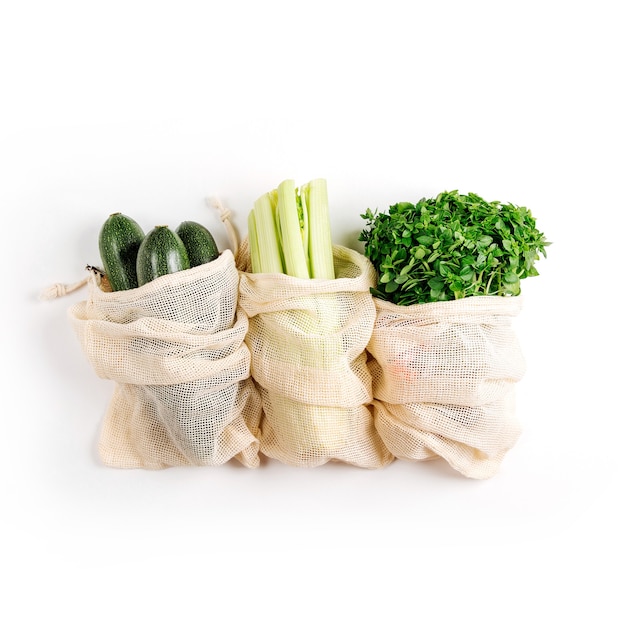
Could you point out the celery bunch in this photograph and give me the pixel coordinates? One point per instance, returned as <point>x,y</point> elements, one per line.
<point>289,234</point>
<point>289,231</point>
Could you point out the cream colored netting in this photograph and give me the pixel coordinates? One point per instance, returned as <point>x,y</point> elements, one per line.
<point>307,340</point>
<point>175,348</point>
<point>444,380</point>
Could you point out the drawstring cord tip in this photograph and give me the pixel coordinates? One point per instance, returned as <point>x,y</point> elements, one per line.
<point>58,290</point>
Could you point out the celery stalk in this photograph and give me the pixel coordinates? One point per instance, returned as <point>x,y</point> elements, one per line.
<point>273,198</point>
<point>319,242</point>
<point>290,231</point>
<point>269,255</point>
<point>303,218</point>
<point>253,243</point>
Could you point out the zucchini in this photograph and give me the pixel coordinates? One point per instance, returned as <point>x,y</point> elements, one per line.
<point>161,252</point>
<point>199,243</point>
<point>119,241</point>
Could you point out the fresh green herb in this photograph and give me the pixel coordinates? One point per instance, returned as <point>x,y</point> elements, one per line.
<point>451,247</point>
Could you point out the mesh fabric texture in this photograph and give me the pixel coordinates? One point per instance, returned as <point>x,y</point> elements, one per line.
<point>175,349</point>
<point>444,377</point>
<point>307,340</point>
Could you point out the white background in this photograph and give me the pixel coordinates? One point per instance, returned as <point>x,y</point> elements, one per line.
<point>148,108</point>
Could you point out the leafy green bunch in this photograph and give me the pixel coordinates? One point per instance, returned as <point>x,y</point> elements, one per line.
<point>451,247</point>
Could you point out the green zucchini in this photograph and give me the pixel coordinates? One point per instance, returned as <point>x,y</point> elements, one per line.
<point>199,243</point>
<point>119,241</point>
<point>161,252</point>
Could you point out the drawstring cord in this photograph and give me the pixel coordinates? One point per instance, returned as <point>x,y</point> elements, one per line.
<point>58,290</point>
<point>228,225</point>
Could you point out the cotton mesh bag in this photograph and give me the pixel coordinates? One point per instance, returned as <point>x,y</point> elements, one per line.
<point>307,340</point>
<point>444,377</point>
<point>175,349</point>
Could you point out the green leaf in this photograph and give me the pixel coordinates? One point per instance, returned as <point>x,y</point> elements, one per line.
<point>466,274</point>
<point>436,283</point>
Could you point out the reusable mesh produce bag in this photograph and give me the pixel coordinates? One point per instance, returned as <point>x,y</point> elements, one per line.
<point>175,349</point>
<point>307,341</point>
<point>444,377</point>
